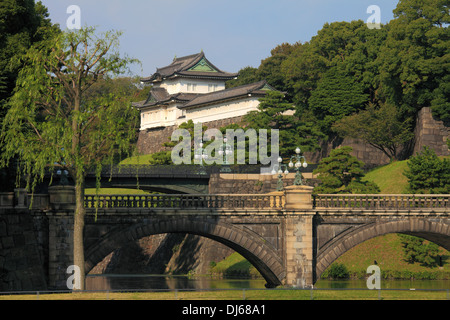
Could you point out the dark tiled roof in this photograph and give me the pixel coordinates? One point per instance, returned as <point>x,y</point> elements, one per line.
<point>257,88</point>
<point>159,96</point>
<point>180,67</point>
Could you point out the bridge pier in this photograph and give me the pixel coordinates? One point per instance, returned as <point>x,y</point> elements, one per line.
<point>299,237</point>
<point>60,228</point>
<point>299,250</point>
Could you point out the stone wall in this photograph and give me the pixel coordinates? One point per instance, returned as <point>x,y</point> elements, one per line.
<point>226,183</point>
<point>151,141</point>
<point>431,132</point>
<point>21,260</point>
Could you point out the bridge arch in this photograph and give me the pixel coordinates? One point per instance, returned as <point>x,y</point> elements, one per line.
<point>436,231</point>
<point>253,247</point>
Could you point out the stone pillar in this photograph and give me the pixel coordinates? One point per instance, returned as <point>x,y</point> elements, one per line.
<point>20,198</point>
<point>299,250</point>
<point>299,238</point>
<point>60,219</point>
<point>298,197</point>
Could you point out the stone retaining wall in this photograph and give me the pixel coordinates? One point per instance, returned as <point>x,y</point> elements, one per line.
<point>431,132</point>
<point>21,260</point>
<point>152,140</point>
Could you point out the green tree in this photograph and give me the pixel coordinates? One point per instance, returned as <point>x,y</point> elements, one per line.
<point>302,70</point>
<point>54,119</point>
<point>342,173</point>
<point>337,95</point>
<point>416,250</point>
<point>22,23</point>
<point>427,173</point>
<point>414,60</point>
<point>270,68</point>
<point>247,75</point>
<point>274,112</point>
<point>351,46</point>
<point>378,126</point>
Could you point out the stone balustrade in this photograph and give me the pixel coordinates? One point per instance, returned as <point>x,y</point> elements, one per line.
<point>382,201</point>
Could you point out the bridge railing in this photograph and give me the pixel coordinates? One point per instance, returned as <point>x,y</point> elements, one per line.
<point>241,201</point>
<point>382,201</point>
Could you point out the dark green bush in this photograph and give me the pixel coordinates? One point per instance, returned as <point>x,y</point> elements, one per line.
<point>336,271</point>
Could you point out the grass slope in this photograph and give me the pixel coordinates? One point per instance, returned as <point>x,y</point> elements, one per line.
<point>235,265</point>
<point>390,177</point>
<point>387,251</point>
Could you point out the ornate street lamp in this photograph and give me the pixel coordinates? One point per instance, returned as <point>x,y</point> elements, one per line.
<point>201,155</point>
<point>298,161</point>
<point>225,151</point>
<point>63,177</point>
<point>280,173</point>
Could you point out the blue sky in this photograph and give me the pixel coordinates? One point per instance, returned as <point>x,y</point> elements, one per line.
<point>232,33</point>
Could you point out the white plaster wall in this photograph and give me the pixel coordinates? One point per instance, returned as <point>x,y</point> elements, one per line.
<point>222,110</point>
<point>186,85</point>
<point>160,116</point>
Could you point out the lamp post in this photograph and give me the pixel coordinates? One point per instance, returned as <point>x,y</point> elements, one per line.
<point>200,155</point>
<point>280,173</point>
<point>225,151</point>
<point>298,161</point>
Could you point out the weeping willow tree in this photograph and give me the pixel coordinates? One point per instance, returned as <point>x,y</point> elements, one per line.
<point>54,119</point>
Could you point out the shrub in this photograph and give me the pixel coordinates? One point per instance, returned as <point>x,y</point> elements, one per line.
<point>336,271</point>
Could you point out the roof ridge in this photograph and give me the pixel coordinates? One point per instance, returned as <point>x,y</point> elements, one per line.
<point>182,65</point>
<point>255,85</point>
<point>198,57</point>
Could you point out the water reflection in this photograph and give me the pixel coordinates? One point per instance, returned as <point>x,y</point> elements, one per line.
<point>161,282</point>
<point>158,282</point>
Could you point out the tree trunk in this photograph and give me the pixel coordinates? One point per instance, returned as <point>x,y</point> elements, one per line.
<point>78,245</point>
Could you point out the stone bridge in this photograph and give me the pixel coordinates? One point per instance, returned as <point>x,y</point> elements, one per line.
<point>291,237</point>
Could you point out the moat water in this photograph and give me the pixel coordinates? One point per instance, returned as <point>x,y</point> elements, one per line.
<point>161,282</point>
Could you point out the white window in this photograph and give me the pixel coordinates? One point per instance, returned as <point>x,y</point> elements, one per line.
<point>191,87</point>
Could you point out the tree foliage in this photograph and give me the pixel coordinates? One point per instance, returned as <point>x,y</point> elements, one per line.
<point>55,117</point>
<point>416,250</point>
<point>348,67</point>
<point>275,112</point>
<point>337,95</point>
<point>427,173</point>
<point>414,60</point>
<point>342,173</point>
<point>378,126</point>
<point>22,23</point>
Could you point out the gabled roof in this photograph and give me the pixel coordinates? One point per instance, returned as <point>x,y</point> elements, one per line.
<point>192,66</point>
<point>255,89</point>
<point>160,96</point>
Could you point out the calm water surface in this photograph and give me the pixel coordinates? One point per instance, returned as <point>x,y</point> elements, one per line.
<point>155,282</point>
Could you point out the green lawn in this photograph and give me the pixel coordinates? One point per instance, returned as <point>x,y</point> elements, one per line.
<point>390,177</point>
<point>387,251</point>
<point>240,294</point>
<point>235,265</point>
<point>142,159</point>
